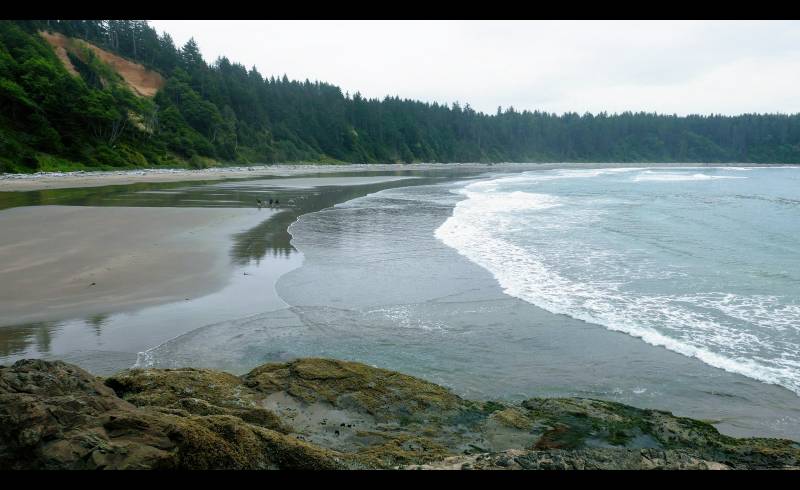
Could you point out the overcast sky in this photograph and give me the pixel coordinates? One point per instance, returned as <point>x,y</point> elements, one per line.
<point>728,67</point>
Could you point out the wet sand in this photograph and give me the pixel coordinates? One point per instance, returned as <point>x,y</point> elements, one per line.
<point>164,259</point>
<point>59,262</point>
<point>67,261</point>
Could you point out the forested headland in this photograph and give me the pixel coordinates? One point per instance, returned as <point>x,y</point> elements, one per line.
<point>80,114</point>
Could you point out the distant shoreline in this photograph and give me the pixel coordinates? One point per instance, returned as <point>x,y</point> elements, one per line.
<point>62,180</point>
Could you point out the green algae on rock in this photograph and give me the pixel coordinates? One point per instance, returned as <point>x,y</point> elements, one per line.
<point>381,393</point>
<point>57,416</point>
<point>330,414</point>
<point>196,391</point>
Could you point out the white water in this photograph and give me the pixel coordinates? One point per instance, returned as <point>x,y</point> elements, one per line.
<point>545,238</point>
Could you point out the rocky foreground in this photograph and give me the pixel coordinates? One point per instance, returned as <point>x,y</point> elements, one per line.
<point>328,414</point>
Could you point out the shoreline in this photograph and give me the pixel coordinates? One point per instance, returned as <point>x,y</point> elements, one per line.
<point>240,281</point>
<point>63,180</point>
<point>54,180</point>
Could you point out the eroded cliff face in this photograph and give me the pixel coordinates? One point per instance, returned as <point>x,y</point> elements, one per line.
<point>329,414</point>
<point>142,81</point>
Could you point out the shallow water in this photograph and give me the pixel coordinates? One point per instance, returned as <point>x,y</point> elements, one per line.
<point>378,286</point>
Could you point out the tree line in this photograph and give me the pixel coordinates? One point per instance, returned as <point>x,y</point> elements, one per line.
<point>224,112</point>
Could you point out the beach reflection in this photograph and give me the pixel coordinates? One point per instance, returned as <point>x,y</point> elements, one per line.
<point>18,339</point>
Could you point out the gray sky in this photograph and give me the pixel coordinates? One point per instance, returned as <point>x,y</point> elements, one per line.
<point>728,67</point>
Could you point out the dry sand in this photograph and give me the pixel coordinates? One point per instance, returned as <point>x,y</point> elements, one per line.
<point>31,182</point>
<point>59,262</point>
<point>310,182</point>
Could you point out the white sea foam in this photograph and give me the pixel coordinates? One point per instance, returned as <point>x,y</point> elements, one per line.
<point>548,175</point>
<point>478,230</point>
<point>652,176</point>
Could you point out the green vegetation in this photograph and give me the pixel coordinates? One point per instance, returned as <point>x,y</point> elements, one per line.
<point>224,113</point>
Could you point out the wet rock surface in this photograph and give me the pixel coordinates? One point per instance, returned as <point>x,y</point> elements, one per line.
<point>329,414</point>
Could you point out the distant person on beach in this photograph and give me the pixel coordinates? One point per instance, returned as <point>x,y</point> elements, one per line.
<point>270,202</point>
<point>259,203</point>
<point>277,202</point>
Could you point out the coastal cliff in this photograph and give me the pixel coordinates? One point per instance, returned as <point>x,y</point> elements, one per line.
<point>331,414</point>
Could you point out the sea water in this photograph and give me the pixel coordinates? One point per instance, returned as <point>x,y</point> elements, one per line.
<point>667,288</point>
<point>704,262</point>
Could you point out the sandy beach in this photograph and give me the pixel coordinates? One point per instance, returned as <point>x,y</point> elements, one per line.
<point>43,180</point>
<point>52,180</point>
<point>60,262</point>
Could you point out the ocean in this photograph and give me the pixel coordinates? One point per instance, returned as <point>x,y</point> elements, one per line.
<point>670,288</point>
<point>703,262</point>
